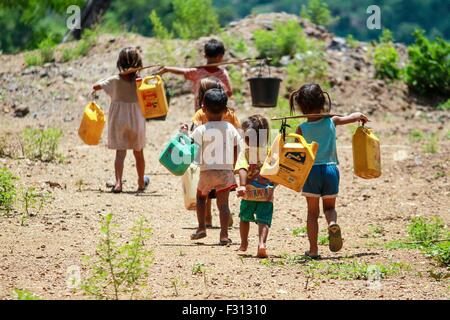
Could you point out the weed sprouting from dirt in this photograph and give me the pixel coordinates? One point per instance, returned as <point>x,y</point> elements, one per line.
<point>41,144</point>
<point>430,235</point>
<point>198,268</point>
<point>299,232</point>
<point>8,191</point>
<point>20,294</point>
<point>119,269</point>
<point>32,202</point>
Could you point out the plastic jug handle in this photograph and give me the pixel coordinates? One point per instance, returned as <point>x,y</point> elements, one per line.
<point>300,138</point>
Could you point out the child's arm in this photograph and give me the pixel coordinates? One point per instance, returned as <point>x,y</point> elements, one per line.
<point>354,117</point>
<point>174,70</point>
<point>240,191</point>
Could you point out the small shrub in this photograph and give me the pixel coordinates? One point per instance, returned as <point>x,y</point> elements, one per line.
<point>307,67</point>
<point>33,59</point>
<point>41,144</point>
<point>19,294</point>
<point>159,30</point>
<point>236,45</point>
<point>32,202</point>
<point>428,70</point>
<point>119,270</point>
<point>426,230</point>
<point>194,18</point>
<point>416,135</point>
<point>67,54</point>
<point>317,12</point>
<point>198,268</point>
<point>287,38</point>
<point>386,60</point>
<point>352,42</point>
<point>432,144</point>
<point>445,106</point>
<point>8,190</point>
<point>47,50</point>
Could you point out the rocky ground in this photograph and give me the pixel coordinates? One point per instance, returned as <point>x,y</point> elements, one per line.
<point>37,256</point>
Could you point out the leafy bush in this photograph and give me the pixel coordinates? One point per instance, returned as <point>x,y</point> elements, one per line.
<point>194,18</point>
<point>445,106</point>
<point>307,67</point>
<point>317,12</point>
<point>236,45</point>
<point>8,190</point>
<point>119,269</point>
<point>47,50</point>
<point>41,144</point>
<point>428,70</point>
<point>286,39</point>
<point>159,30</point>
<point>386,58</point>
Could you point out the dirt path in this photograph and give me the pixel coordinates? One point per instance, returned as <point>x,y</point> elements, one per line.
<point>37,256</point>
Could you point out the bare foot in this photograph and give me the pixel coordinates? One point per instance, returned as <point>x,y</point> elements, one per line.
<point>262,252</point>
<point>243,247</point>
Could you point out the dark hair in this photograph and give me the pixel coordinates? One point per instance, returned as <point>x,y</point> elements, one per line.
<point>310,98</point>
<point>256,123</point>
<point>214,48</point>
<point>215,101</point>
<point>129,57</point>
<point>207,84</point>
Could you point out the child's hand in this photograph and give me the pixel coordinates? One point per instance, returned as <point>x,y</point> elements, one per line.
<point>161,71</point>
<point>240,191</point>
<point>361,117</point>
<point>184,128</point>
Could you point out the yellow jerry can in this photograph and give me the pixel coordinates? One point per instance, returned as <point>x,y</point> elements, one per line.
<point>289,163</point>
<point>366,153</point>
<point>189,182</point>
<point>152,97</point>
<point>92,124</point>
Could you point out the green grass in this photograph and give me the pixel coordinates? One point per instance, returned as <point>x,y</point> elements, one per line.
<point>19,294</point>
<point>299,232</point>
<point>431,146</point>
<point>374,231</point>
<point>34,58</point>
<point>445,106</point>
<point>429,235</point>
<point>342,270</point>
<point>416,135</point>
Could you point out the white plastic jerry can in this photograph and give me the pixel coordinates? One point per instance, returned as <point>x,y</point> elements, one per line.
<point>190,183</point>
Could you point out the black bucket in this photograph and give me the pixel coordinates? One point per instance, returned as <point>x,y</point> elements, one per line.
<point>264,90</point>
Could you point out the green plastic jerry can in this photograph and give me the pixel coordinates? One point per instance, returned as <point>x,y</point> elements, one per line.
<point>178,154</point>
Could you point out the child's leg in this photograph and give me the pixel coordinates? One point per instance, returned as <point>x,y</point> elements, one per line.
<point>118,167</point>
<point>244,229</point>
<point>312,224</point>
<point>140,167</point>
<point>334,231</point>
<point>224,214</point>
<point>201,208</point>
<point>208,212</point>
<point>329,210</point>
<point>263,231</point>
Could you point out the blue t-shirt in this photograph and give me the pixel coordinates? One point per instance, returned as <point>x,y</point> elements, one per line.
<point>324,133</point>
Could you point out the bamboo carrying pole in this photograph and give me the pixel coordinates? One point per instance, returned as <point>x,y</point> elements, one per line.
<point>316,115</point>
<point>133,70</point>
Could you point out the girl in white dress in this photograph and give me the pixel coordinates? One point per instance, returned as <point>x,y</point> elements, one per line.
<point>126,125</point>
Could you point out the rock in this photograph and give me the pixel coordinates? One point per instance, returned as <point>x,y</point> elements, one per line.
<point>43,74</point>
<point>358,66</point>
<point>338,44</point>
<point>284,61</point>
<point>21,112</point>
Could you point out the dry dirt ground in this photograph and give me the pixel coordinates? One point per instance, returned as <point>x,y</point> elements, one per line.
<point>37,256</point>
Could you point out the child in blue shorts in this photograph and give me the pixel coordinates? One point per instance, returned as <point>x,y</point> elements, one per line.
<point>323,180</point>
<point>256,192</point>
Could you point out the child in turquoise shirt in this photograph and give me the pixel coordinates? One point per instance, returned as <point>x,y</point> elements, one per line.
<point>323,180</point>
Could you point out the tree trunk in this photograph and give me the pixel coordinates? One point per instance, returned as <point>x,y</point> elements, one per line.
<point>90,15</point>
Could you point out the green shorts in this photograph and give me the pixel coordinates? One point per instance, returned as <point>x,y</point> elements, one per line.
<point>260,212</point>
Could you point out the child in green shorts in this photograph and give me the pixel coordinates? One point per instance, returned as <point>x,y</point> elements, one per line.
<point>256,192</point>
